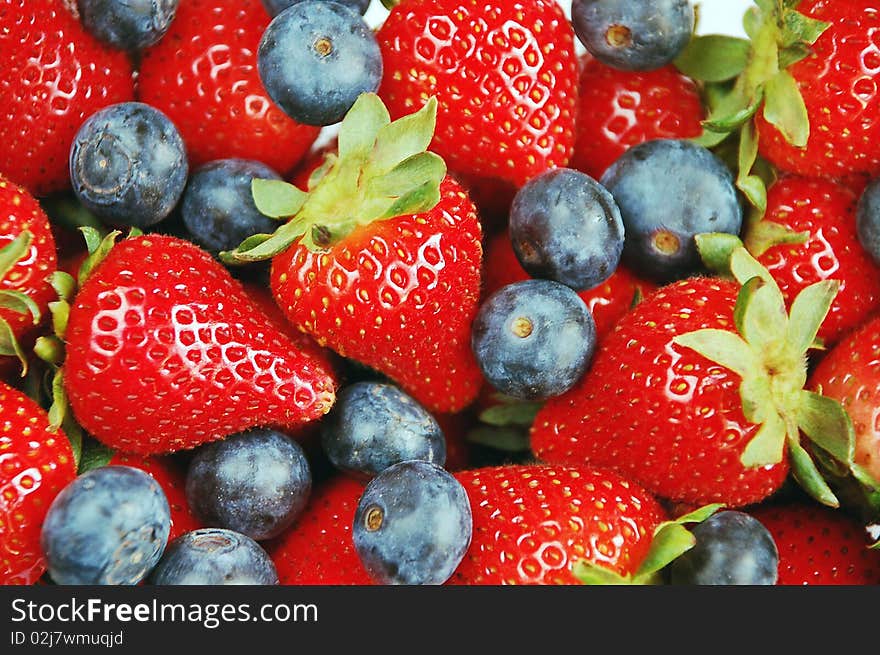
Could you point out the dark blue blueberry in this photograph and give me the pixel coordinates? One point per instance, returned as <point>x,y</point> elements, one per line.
<point>316,58</point>
<point>374,425</point>
<point>669,191</point>
<point>255,482</point>
<point>413,525</point>
<point>533,340</point>
<point>868,219</point>
<point>732,548</point>
<point>213,556</point>
<point>565,226</point>
<point>130,25</point>
<point>109,526</point>
<point>633,35</point>
<point>128,164</point>
<point>218,206</point>
<point>275,7</point>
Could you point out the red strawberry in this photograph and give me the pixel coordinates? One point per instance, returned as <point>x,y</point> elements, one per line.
<point>679,402</point>
<point>381,258</point>
<point>173,482</point>
<point>608,302</point>
<point>532,523</point>
<point>825,211</point>
<point>505,76</point>
<point>35,465</point>
<point>838,82</point>
<point>819,546</point>
<point>165,351</point>
<point>620,109</point>
<point>318,548</point>
<point>203,75</point>
<point>27,259</point>
<point>54,76</point>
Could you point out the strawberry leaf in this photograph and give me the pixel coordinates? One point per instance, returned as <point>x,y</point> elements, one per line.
<point>714,58</point>
<point>808,476</point>
<point>14,251</point>
<point>808,312</point>
<point>827,425</point>
<point>743,298</point>
<point>276,198</point>
<point>744,267</point>
<point>360,127</point>
<point>99,247</point>
<point>505,439</point>
<point>9,345</point>
<point>265,246</point>
<point>715,250</point>
<point>399,141</point>
<point>94,455</point>
<point>800,29</point>
<point>721,346</point>
<point>763,235</point>
<point>511,414</point>
<point>751,185</point>
<point>767,447</point>
<point>590,573</point>
<point>784,108</point>
<point>20,303</point>
<point>763,317</point>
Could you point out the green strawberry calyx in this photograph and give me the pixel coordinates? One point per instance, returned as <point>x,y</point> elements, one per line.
<point>382,170</point>
<point>671,540</point>
<point>769,352</point>
<point>742,78</point>
<point>15,301</point>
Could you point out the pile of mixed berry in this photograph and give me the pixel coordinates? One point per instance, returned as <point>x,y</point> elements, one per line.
<point>499,292</point>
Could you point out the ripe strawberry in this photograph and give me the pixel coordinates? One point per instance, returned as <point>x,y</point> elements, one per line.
<point>532,523</point>
<point>203,76</point>
<point>27,259</point>
<point>825,211</point>
<point>819,546</point>
<point>165,351</point>
<point>318,548</point>
<point>381,258</point>
<point>608,302</point>
<point>35,465</point>
<point>504,74</point>
<point>620,109</point>
<point>54,76</point>
<point>173,482</point>
<point>680,403</point>
<point>838,83</point>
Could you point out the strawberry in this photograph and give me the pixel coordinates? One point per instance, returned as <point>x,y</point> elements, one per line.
<point>173,482</point>
<point>381,258</point>
<point>318,548</point>
<point>696,412</point>
<point>54,76</point>
<point>820,214</point>
<point>536,524</point>
<point>203,76</point>
<point>165,351</point>
<point>36,463</point>
<point>619,109</point>
<point>504,75</point>
<point>819,546</point>
<point>607,302</point>
<point>27,259</point>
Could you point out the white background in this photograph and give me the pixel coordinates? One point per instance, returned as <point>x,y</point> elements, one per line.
<point>716,16</point>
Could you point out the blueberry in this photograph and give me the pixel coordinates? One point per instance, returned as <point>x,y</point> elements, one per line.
<point>275,7</point>
<point>868,219</point>
<point>131,25</point>
<point>218,205</point>
<point>374,425</point>
<point>732,548</point>
<point>633,35</point>
<point>413,525</point>
<point>213,556</point>
<point>316,58</point>
<point>255,482</point>
<point>566,227</point>
<point>109,526</point>
<point>533,340</point>
<point>669,191</point>
<point>128,164</point>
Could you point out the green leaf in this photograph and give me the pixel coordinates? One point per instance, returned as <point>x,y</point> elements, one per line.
<point>276,198</point>
<point>419,169</point>
<point>10,346</point>
<point>744,267</point>
<point>763,235</point>
<point>714,58</point>
<point>519,414</point>
<point>265,246</point>
<point>94,455</point>
<point>793,54</point>
<point>419,200</point>
<point>63,284</point>
<point>798,28</point>
<point>743,298</point>
<point>767,447</point>
<point>589,573</point>
<point>808,312</point>
<point>827,424</point>
<point>12,252</point>
<point>757,398</point>
<point>406,137</point>
<point>97,251</point>
<point>50,349</point>
<point>669,543</point>
<point>93,237</point>
<point>715,250</point>
<point>808,476</point>
<point>58,409</point>
<point>20,303</point>
<point>322,170</point>
<point>864,477</point>
<point>75,436</point>
<point>700,514</point>
<point>753,19</point>
<point>505,439</point>
<point>765,318</point>
<point>751,185</point>
<point>60,310</point>
<point>734,114</point>
<point>67,211</point>
<point>784,108</point>
<point>754,190</point>
<point>360,127</point>
<point>722,347</point>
